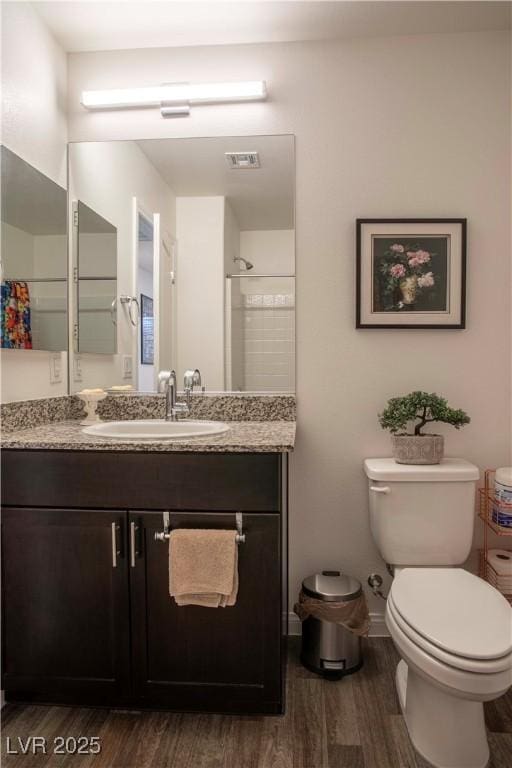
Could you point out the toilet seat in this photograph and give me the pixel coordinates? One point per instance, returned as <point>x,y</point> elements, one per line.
<point>455,616</point>
<point>486,666</point>
<point>461,683</point>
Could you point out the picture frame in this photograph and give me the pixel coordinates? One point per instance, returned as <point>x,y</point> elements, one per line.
<point>411,273</point>
<point>147,330</point>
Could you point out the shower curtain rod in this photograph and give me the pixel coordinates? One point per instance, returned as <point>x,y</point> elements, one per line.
<point>35,279</point>
<point>241,275</point>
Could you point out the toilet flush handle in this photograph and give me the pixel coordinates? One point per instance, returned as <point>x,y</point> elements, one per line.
<point>380,488</point>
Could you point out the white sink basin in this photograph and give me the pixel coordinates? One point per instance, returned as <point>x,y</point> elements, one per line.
<point>155,429</point>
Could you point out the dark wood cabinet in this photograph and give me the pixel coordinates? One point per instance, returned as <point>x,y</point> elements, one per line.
<point>230,656</point>
<point>65,607</point>
<point>87,615</point>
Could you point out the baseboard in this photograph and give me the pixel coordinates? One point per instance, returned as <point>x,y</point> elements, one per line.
<point>378,625</point>
<point>377,628</point>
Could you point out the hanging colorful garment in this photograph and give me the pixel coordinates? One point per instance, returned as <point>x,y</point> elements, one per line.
<point>15,330</point>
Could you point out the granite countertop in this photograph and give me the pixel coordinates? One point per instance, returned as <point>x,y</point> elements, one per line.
<point>242,437</point>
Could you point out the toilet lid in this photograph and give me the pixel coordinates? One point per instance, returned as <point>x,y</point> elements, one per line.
<point>454,610</point>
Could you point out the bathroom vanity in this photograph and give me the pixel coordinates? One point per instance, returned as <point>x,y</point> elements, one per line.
<point>87,616</point>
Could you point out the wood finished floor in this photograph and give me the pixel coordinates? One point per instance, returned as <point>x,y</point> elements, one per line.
<point>353,723</point>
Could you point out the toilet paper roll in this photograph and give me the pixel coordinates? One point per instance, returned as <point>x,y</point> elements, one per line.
<point>501,561</point>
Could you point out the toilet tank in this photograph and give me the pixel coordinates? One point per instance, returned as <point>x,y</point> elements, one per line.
<point>422,515</point>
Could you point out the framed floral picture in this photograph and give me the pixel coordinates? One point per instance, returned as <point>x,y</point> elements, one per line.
<point>411,273</point>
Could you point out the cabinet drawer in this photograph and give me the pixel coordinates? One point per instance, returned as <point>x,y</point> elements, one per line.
<point>179,481</point>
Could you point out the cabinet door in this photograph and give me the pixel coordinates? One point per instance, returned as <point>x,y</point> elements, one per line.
<point>65,605</point>
<point>210,659</point>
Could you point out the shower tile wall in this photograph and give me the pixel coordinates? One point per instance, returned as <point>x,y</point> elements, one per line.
<point>269,342</point>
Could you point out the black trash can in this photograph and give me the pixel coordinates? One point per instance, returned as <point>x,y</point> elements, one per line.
<point>328,648</point>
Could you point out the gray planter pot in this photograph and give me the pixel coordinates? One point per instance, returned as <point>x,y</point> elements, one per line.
<point>412,449</point>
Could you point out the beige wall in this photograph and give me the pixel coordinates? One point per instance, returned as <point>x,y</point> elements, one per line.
<point>415,126</point>
<point>34,126</point>
<point>270,250</point>
<point>233,324</point>
<point>200,280</point>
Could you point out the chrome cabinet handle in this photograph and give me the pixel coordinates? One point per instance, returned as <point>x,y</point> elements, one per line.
<point>130,312</point>
<point>130,301</point>
<point>115,549</point>
<point>133,551</point>
<point>380,488</point>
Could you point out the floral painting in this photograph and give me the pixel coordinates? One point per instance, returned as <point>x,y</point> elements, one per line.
<point>411,273</point>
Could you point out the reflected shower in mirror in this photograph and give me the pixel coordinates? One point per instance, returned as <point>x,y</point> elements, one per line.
<point>34,258</point>
<point>206,231</point>
<point>96,271</point>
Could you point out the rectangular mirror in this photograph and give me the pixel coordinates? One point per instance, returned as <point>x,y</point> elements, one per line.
<point>34,258</point>
<point>95,268</point>
<point>206,241</point>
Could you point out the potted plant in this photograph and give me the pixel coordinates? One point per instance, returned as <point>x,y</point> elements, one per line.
<point>419,408</point>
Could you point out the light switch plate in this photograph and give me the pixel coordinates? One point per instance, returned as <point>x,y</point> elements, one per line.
<point>55,369</point>
<point>77,368</point>
<point>127,367</point>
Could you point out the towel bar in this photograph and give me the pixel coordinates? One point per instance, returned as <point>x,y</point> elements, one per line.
<point>165,534</point>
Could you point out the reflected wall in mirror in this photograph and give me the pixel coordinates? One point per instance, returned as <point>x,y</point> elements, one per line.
<point>95,267</point>
<point>205,228</point>
<point>33,312</point>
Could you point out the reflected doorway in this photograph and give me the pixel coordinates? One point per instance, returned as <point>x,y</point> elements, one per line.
<point>145,295</point>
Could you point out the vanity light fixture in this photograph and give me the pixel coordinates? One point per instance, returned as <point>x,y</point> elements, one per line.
<point>175,98</point>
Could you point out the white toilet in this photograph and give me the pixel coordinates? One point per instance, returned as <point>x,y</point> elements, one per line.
<point>452,629</point>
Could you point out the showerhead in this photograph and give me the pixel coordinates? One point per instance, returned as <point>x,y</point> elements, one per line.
<point>248,264</point>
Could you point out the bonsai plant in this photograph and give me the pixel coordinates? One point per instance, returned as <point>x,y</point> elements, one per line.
<point>419,409</point>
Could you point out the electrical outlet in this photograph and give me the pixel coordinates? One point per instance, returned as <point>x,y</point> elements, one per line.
<point>77,368</point>
<point>55,369</point>
<point>127,367</point>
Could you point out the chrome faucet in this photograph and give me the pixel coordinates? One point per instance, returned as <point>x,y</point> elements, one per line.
<point>191,379</point>
<point>167,385</point>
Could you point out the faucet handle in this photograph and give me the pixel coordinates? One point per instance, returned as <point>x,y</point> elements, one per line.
<point>164,378</point>
<point>191,379</point>
<point>188,380</point>
<point>197,377</point>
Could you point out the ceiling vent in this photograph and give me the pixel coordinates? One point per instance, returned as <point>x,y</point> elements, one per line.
<point>242,159</point>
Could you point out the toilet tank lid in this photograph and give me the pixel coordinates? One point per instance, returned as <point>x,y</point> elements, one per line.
<point>449,470</point>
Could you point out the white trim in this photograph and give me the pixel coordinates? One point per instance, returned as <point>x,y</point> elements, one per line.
<point>377,629</point>
<point>294,625</point>
<point>157,278</point>
<point>378,625</point>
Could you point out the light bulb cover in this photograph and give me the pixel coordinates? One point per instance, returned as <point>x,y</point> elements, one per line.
<point>175,93</point>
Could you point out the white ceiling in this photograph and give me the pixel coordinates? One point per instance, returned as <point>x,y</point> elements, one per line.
<point>94,26</point>
<point>261,198</point>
